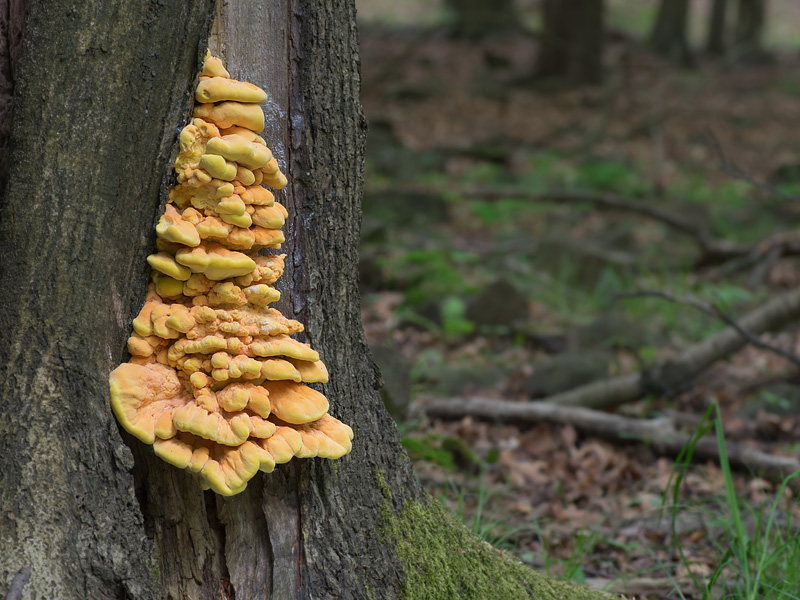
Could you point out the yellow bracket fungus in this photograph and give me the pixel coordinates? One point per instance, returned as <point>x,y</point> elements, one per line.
<point>216,383</point>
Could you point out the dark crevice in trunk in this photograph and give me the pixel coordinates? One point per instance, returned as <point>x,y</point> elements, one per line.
<point>217,528</point>
<point>12,29</point>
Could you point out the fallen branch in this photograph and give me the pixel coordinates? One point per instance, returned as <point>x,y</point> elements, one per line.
<point>735,172</point>
<point>770,249</point>
<point>715,311</point>
<point>659,434</point>
<point>671,376</point>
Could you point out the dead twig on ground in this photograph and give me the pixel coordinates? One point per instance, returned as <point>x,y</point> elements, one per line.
<point>659,434</point>
<point>714,311</point>
<point>766,252</point>
<point>735,172</point>
<point>670,376</point>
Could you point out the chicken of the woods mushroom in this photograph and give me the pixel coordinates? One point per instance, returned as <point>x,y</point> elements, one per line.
<point>216,381</point>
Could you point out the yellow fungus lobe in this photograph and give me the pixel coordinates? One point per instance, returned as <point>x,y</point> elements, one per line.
<point>216,384</point>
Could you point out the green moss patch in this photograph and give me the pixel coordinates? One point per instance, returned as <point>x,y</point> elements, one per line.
<point>443,560</point>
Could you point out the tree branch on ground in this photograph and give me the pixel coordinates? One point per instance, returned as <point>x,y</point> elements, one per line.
<point>735,172</point>
<point>670,376</point>
<point>770,249</point>
<point>659,433</point>
<point>715,311</point>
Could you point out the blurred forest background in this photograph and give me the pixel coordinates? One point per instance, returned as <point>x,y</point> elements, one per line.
<point>580,278</point>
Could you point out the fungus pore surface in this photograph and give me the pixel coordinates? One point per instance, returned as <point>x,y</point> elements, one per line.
<point>215,381</point>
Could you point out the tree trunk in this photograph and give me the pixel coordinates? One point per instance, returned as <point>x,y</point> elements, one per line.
<point>572,41</point>
<point>12,22</point>
<point>476,19</point>
<point>750,18</point>
<point>669,37</point>
<point>715,44</point>
<point>100,93</point>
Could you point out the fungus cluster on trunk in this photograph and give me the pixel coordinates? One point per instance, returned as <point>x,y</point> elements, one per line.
<point>215,380</point>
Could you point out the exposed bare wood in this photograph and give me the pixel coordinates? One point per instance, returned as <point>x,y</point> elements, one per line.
<point>18,583</point>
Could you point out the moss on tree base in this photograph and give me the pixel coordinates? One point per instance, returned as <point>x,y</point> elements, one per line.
<point>443,560</point>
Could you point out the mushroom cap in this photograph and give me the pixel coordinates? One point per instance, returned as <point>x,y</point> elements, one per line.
<point>250,136</point>
<point>270,217</point>
<point>193,139</point>
<point>310,372</point>
<point>213,227</point>
<point>240,150</point>
<point>216,166</point>
<point>231,205</point>
<point>257,195</point>
<point>227,114</point>
<point>238,396</point>
<point>165,263</point>
<point>273,176</point>
<point>212,67</point>
<point>226,470</point>
<point>215,262</point>
<point>277,369</point>
<point>326,437</point>
<point>173,228</point>
<point>216,89</point>
<point>283,345</point>
<point>138,346</point>
<point>142,324</point>
<point>268,270</point>
<point>166,286</point>
<point>261,294</point>
<point>200,194</point>
<point>142,394</point>
<point>333,437</point>
<point>295,403</point>
<point>267,238</point>
<point>244,221</point>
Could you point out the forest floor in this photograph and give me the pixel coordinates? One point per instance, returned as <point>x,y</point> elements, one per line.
<point>472,291</point>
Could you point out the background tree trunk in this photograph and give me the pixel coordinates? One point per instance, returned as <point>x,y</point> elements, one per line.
<point>572,41</point>
<point>750,19</point>
<point>669,37</point>
<point>475,19</point>
<point>716,42</point>
<point>96,516</point>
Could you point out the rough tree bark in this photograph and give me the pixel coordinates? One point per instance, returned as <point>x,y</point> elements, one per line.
<point>101,91</point>
<point>670,32</point>
<point>572,41</point>
<point>12,21</point>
